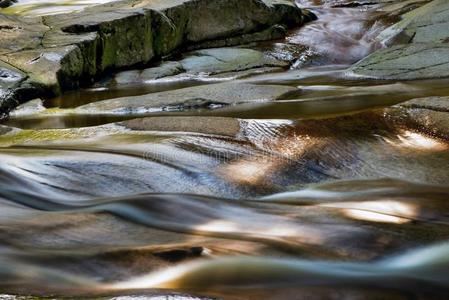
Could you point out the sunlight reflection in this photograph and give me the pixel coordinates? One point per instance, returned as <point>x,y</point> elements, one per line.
<point>248,172</point>
<point>379,211</point>
<point>416,140</point>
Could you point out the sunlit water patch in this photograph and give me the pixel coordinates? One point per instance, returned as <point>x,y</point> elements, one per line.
<point>49,7</point>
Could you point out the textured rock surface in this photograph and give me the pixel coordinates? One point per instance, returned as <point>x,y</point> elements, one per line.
<point>198,97</point>
<point>420,46</point>
<point>403,62</point>
<point>63,51</point>
<point>208,61</point>
<point>429,114</point>
<point>427,24</point>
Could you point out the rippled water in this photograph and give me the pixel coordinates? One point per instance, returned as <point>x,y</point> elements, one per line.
<point>331,191</point>
<point>49,7</point>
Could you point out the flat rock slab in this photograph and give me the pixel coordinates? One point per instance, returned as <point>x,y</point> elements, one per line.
<point>207,125</point>
<point>205,96</point>
<point>406,62</point>
<point>419,46</point>
<point>427,24</point>
<point>208,61</point>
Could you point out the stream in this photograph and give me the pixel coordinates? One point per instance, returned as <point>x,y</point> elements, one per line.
<point>330,190</point>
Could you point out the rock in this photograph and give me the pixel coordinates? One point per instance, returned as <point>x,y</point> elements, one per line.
<point>6,3</point>
<point>10,77</point>
<point>427,24</point>
<point>29,108</point>
<point>272,33</point>
<point>226,61</point>
<point>4,129</point>
<point>420,47</point>
<point>221,60</point>
<point>165,69</point>
<point>406,62</point>
<point>20,33</point>
<point>205,96</point>
<point>430,115</point>
<point>206,125</point>
<point>55,68</point>
<point>63,51</point>
<point>10,80</point>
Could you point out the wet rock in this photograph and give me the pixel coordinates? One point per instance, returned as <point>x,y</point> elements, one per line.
<point>406,62</point>
<point>6,3</point>
<point>420,46</point>
<point>430,115</point>
<point>220,60</point>
<point>427,24</point>
<point>205,96</point>
<point>10,79</point>
<point>225,61</point>
<point>54,69</point>
<point>28,108</point>
<point>165,69</point>
<point>206,125</point>
<point>272,33</point>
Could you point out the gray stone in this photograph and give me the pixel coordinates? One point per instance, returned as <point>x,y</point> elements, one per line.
<point>206,125</point>
<point>6,3</point>
<point>205,96</point>
<point>427,24</point>
<point>165,69</point>
<point>221,60</point>
<point>420,46</point>
<point>406,62</point>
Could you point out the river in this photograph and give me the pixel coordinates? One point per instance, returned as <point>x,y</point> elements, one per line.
<point>332,191</point>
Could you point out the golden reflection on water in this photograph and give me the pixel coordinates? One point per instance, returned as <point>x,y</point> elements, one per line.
<point>384,211</point>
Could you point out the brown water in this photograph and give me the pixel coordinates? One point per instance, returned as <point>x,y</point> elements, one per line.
<point>332,192</point>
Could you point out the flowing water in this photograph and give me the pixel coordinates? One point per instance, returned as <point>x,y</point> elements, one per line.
<point>330,192</point>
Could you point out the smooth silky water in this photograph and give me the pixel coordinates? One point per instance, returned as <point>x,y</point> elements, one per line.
<point>331,191</point>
